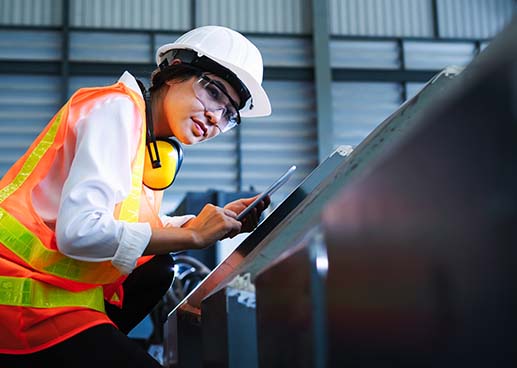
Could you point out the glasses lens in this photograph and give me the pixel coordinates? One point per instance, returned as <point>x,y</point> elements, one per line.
<point>215,100</point>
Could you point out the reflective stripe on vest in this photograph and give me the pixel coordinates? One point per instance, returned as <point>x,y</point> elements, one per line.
<point>129,211</point>
<point>26,245</point>
<point>22,242</point>
<point>130,206</point>
<point>26,292</point>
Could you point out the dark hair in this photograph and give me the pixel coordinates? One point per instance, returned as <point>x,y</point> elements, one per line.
<point>175,72</point>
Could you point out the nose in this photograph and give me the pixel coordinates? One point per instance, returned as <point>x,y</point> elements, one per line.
<point>213,117</point>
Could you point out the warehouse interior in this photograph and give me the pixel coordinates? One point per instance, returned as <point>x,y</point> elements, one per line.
<point>391,243</point>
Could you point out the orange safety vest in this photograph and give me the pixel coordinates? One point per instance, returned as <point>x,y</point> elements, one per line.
<point>45,296</point>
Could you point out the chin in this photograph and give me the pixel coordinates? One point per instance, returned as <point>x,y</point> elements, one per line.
<point>186,141</point>
<point>189,139</point>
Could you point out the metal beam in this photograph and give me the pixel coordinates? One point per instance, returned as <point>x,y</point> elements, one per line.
<point>436,24</point>
<point>30,67</point>
<point>322,76</point>
<point>88,68</point>
<point>382,75</point>
<point>65,47</point>
<point>402,65</point>
<point>193,11</point>
<point>288,73</point>
<point>270,73</point>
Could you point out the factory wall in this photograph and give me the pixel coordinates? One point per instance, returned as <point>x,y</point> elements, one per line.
<point>381,52</point>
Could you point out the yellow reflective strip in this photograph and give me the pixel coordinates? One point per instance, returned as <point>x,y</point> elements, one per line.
<point>29,247</point>
<point>130,208</point>
<point>24,292</point>
<point>33,159</point>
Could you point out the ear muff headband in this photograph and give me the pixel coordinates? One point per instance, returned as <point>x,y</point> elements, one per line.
<point>171,158</point>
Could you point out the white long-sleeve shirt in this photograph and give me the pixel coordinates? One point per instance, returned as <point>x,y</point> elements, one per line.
<point>90,175</point>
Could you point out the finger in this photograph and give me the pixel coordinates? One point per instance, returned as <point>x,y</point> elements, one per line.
<point>267,201</point>
<point>229,213</point>
<point>236,229</point>
<point>254,216</point>
<point>233,234</point>
<point>250,200</point>
<point>260,207</point>
<point>263,205</point>
<point>250,222</point>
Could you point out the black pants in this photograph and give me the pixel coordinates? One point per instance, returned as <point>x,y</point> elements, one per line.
<point>105,346</point>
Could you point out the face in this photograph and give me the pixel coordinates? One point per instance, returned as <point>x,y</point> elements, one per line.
<point>181,114</point>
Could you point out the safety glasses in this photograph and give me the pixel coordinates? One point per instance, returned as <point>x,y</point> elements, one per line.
<point>214,97</point>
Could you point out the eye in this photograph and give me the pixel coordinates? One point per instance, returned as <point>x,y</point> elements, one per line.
<point>213,91</point>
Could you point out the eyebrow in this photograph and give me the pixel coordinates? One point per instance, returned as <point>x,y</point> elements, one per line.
<point>222,87</point>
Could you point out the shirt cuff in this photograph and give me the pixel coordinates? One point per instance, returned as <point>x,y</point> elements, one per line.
<point>134,240</point>
<point>175,221</point>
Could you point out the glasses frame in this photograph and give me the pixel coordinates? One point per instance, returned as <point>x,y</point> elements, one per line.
<point>204,80</point>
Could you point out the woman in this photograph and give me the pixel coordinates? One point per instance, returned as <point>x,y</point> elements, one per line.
<point>84,255</point>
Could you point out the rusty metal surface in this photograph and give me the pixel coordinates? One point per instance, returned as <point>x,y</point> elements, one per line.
<point>282,229</point>
<point>228,329</point>
<point>422,248</point>
<point>420,234</point>
<point>285,311</point>
<point>226,269</point>
<point>323,182</point>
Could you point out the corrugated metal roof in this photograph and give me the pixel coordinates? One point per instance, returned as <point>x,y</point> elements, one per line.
<point>111,47</point>
<point>27,103</point>
<point>265,16</point>
<point>285,51</point>
<point>364,54</point>
<point>131,14</point>
<point>437,55</point>
<point>358,107</point>
<point>30,45</point>
<point>288,137</point>
<point>473,18</point>
<point>31,12</point>
<point>408,18</point>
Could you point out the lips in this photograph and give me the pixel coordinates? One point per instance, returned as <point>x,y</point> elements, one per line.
<point>200,127</point>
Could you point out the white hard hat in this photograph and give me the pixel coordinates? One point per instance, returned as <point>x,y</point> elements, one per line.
<point>231,50</point>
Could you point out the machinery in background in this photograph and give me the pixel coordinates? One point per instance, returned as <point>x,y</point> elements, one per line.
<point>188,273</point>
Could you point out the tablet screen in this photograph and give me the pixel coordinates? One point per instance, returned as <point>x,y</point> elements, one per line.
<point>269,191</point>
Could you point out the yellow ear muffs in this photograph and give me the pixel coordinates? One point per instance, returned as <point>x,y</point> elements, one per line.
<point>161,169</point>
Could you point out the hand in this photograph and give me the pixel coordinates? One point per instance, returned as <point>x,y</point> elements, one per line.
<point>213,223</point>
<point>250,222</point>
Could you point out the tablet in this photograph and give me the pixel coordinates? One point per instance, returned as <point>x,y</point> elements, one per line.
<point>269,191</point>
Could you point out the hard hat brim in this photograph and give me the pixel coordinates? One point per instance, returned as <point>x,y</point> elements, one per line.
<point>261,104</point>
